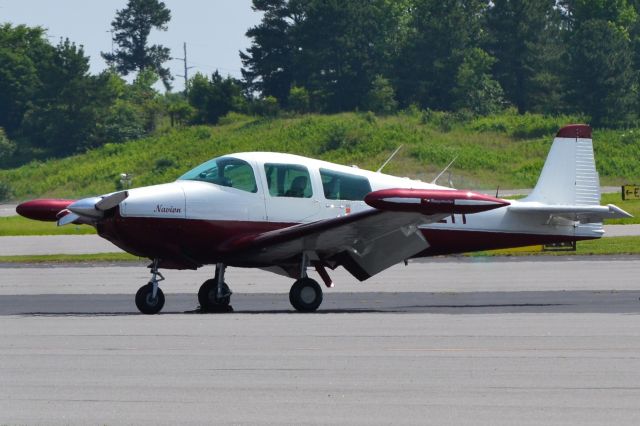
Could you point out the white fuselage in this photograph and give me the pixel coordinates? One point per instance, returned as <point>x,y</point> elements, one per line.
<point>204,200</point>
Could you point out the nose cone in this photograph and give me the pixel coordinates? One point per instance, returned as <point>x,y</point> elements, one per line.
<point>43,209</point>
<point>86,207</point>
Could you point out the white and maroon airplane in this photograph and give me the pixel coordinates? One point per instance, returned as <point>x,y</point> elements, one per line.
<point>285,213</point>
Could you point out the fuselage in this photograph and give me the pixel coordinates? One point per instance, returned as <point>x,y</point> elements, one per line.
<point>189,222</point>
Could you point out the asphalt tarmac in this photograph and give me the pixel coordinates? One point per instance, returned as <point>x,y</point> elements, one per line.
<point>450,341</point>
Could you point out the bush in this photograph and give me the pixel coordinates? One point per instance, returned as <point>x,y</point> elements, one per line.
<point>5,191</point>
<point>523,126</point>
<point>381,97</point>
<point>266,107</point>
<point>7,148</point>
<point>299,100</point>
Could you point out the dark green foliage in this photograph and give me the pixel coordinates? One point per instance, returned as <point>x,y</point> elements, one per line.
<point>23,52</point>
<point>475,90</point>
<point>265,107</point>
<point>5,191</point>
<point>381,97</point>
<point>131,28</point>
<point>440,35</point>
<point>7,148</point>
<point>332,48</point>
<point>299,100</point>
<point>213,98</point>
<point>526,40</point>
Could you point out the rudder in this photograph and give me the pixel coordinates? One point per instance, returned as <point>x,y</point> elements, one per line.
<point>569,175</point>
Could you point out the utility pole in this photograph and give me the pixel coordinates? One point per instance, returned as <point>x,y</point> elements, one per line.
<point>186,69</point>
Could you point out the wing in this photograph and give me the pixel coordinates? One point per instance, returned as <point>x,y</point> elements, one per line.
<point>366,242</point>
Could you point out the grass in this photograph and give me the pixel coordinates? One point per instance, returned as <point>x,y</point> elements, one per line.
<point>71,258</point>
<point>630,206</point>
<point>602,246</point>
<point>18,225</point>
<point>505,150</point>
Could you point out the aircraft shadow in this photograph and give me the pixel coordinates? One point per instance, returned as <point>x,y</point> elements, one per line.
<point>106,305</point>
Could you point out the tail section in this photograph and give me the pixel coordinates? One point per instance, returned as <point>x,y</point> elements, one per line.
<point>569,187</point>
<point>569,176</point>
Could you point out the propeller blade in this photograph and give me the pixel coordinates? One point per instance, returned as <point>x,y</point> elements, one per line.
<point>67,219</point>
<point>111,201</point>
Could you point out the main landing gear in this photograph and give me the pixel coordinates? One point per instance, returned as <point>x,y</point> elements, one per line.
<point>214,295</point>
<point>306,294</point>
<point>150,298</point>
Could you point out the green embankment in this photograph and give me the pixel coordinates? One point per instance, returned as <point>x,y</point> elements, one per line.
<point>17,225</point>
<point>505,150</point>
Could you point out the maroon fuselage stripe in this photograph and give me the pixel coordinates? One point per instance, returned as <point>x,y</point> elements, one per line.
<point>188,243</point>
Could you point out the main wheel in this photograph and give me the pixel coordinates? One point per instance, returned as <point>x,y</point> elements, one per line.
<point>305,295</point>
<point>207,296</point>
<point>146,303</point>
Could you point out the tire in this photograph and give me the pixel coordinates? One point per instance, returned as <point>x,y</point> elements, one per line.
<point>207,296</point>
<point>305,295</point>
<point>145,303</point>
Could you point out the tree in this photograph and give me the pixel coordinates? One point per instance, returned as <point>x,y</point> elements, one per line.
<point>602,78</point>
<point>333,49</point>
<point>23,53</point>
<point>475,89</point>
<point>268,65</point>
<point>62,117</point>
<point>525,38</point>
<point>213,98</point>
<point>299,100</point>
<point>131,29</point>
<point>440,33</point>
<point>381,97</point>
<point>604,82</point>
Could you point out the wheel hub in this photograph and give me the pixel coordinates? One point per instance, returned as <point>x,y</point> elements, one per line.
<point>307,295</point>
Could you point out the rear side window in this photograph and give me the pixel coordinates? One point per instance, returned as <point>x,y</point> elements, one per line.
<point>343,186</point>
<point>288,180</point>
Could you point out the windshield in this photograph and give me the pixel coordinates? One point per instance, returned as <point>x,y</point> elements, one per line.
<point>225,171</point>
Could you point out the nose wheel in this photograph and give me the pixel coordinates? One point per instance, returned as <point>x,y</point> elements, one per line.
<point>150,298</point>
<point>146,302</point>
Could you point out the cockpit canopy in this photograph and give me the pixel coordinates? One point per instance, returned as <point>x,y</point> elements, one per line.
<point>225,171</point>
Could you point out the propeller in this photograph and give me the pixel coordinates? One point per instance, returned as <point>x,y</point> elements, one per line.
<point>92,208</point>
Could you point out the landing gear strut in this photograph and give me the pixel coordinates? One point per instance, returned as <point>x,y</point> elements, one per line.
<point>150,298</point>
<point>305,294</point>
<point>214,294</point>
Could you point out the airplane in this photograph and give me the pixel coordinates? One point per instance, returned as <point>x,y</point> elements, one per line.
<point>285,213</point>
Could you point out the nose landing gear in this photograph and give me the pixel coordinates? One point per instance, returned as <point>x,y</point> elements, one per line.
<point>150,298</point>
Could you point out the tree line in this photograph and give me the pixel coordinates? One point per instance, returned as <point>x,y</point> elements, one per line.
<point>473,56</point>
<point>543,56</point>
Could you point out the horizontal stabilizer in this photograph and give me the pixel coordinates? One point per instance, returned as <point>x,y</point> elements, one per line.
<point>585,214</point>
<point>432,201</point>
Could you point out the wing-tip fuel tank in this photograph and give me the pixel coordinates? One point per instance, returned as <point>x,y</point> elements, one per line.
<point>428,202</point>
<point>43,209</point>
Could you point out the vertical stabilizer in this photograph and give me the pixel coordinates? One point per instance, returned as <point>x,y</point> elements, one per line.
<point>569,175</point>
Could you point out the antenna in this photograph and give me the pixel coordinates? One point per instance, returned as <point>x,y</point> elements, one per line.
<point>445,169</point>
<point>389,159</point>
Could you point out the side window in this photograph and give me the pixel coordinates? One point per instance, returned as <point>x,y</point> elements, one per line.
<point>343,186</point>
<point>240,176</point>
<point>225,171</point>
<point>288,180</point>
